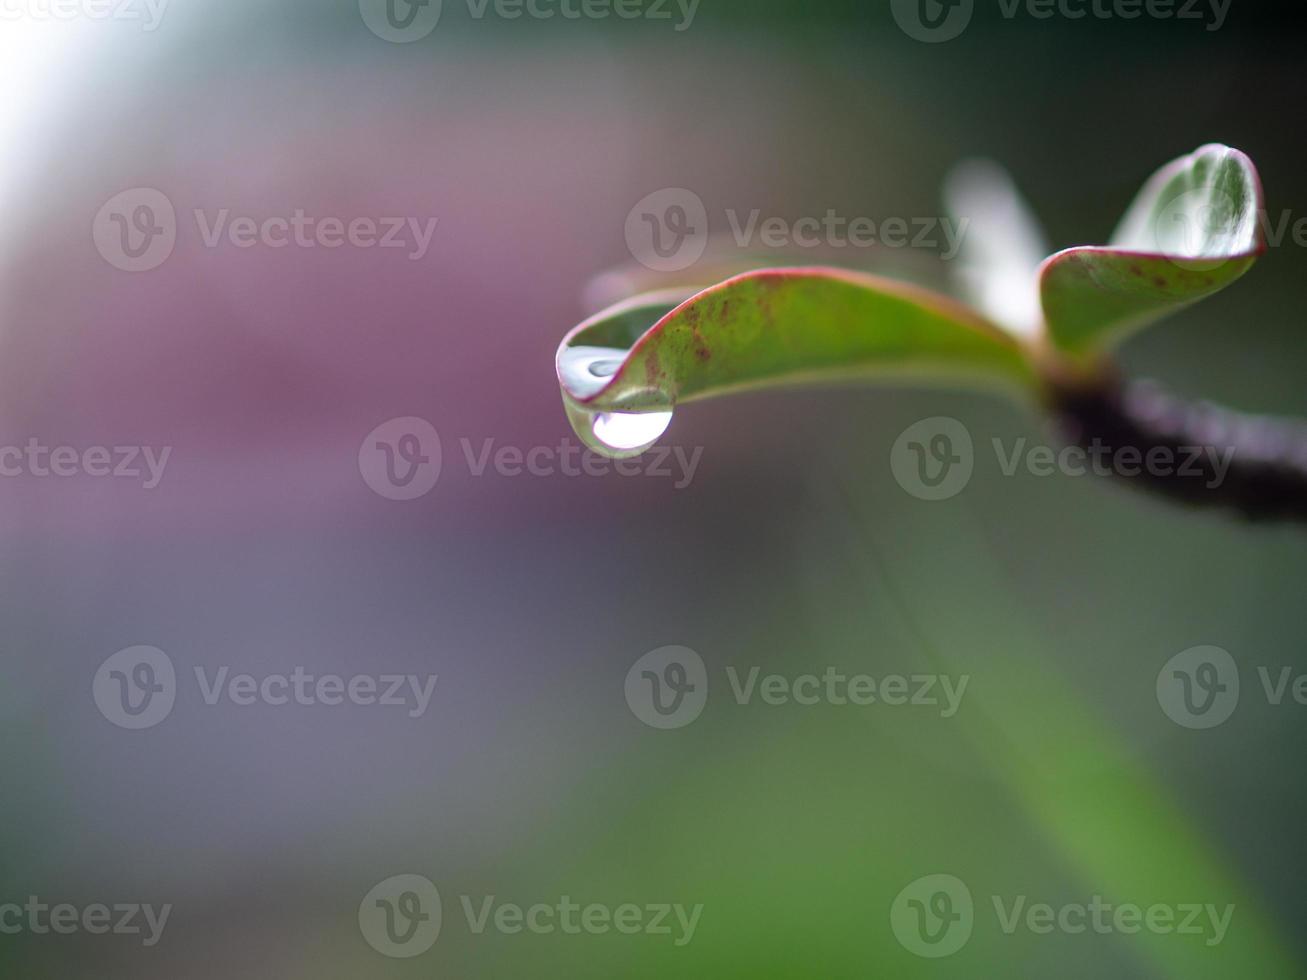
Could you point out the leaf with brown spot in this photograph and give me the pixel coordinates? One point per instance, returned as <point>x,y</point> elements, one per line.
<point>769,328</point>
<point>1193,230</point>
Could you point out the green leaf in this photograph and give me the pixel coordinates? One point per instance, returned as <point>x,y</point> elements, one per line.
<point>623,371</point>
<point>1193,230</point>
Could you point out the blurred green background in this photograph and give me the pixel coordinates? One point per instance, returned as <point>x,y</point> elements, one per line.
<point>792,550</point>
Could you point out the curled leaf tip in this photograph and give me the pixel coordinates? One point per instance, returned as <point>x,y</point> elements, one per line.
<point>768,327</point>
<point>1194,229</point>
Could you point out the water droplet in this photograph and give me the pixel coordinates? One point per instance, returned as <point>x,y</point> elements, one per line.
<point>604,369</point>
<point>630,432</point>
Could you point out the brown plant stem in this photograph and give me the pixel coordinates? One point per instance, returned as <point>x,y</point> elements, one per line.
<point>1267,475</point>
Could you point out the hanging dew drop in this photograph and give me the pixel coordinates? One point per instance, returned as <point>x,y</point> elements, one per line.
<point>585,372</point>
<point>630,432</point>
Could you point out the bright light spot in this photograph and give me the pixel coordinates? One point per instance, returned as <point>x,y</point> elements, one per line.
<point>624,431</point>
<point>34,70</point>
